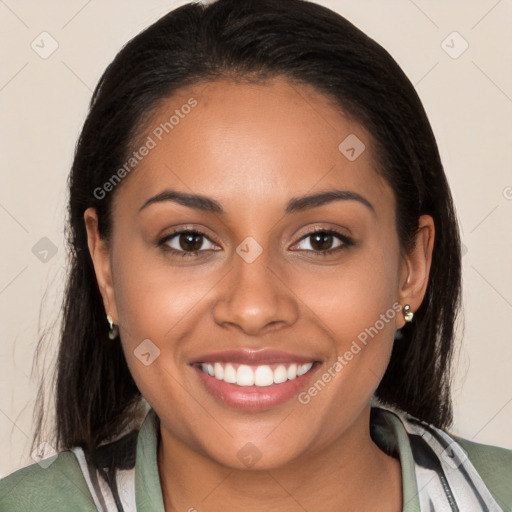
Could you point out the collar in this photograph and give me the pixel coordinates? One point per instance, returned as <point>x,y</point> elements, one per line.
<point>436,471</point>
<point>148,492</point>
<point>389,434</point>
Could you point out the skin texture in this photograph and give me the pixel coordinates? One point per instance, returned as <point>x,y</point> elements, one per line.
<point>252,148</point>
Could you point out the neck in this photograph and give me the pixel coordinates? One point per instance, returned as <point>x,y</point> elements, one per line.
<point>348,473</point>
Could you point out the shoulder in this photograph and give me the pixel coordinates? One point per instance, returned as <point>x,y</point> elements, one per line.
<point>51,485</point>
<point>494,465</point>
<point>464,465</point>
<point>57,483</point>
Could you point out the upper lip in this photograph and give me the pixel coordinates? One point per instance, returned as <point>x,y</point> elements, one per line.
<point>255,357</point>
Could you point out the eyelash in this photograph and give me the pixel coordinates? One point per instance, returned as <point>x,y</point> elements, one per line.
<point>347,242</point>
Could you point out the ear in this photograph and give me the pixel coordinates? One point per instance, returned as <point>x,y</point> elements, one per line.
<point>101,260</point>
<point>415,267</point>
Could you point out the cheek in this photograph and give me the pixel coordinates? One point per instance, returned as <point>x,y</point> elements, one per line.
<point>152,296</point>
<point>370,313</point>
<point>157,305</point>
<point>351,297</point>
<point>356,305</point>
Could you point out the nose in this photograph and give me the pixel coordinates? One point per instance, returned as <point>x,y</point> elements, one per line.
<point>255,298</point>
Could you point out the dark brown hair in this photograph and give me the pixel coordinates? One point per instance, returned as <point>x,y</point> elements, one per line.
<point>255,40</point>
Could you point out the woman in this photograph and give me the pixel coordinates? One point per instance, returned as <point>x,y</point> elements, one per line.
<point>265,276</point>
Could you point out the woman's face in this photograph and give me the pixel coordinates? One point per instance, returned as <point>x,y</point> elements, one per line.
<point>263,295</point>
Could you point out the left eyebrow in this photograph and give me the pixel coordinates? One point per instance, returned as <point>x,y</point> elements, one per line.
<point>313,201</point>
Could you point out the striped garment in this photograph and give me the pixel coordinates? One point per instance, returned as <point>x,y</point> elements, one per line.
<point>444,478</point>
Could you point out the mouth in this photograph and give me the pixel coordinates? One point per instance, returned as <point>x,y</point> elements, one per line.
<point>254,381</point>
<point>249,375</point>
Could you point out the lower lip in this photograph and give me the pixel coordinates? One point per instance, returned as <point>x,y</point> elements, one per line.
<point>254,398</point>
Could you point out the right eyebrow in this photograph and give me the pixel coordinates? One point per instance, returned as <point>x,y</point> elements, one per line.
<point>195,201</point>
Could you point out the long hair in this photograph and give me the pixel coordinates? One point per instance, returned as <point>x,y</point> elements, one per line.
<point>254,40</point>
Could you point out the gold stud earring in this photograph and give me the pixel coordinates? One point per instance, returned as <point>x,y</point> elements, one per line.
<point>113,329</point>
<point>408,314</point>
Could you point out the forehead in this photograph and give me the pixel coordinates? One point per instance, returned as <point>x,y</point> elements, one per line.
<point>269,141</point>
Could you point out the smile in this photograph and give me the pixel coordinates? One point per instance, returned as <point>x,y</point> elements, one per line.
<point>260,376</point>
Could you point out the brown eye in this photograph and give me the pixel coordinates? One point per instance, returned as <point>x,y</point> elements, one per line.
<point>190,241</point>
<point>187,243</point>
<point>323,242</point>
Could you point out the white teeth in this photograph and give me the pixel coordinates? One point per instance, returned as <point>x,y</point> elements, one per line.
<point>292,372</point>
<point>303,368</point>
<point>229,374</point>
<point>219,371</point>
<point>263,376</point>
<point>280,375</point>
<point>245,376</point>
<point>260,376</point>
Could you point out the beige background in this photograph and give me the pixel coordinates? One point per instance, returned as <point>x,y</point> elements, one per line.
<point>469,102</point>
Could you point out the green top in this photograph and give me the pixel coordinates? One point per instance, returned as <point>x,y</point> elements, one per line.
<point>61,486</point>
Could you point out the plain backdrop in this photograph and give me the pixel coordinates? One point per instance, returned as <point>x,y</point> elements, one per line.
<point>464,80</point>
